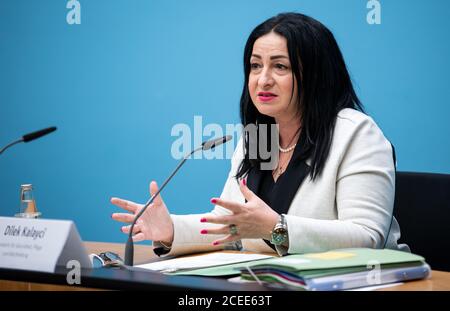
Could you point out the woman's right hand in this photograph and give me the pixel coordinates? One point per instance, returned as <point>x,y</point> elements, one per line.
<point>154,224</point>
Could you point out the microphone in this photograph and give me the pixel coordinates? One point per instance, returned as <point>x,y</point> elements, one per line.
<point>29,137</point>
<point>210,144</point>
<point>35,135</point>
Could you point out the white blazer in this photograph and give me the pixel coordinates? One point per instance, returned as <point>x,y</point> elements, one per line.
<point>349,205</point>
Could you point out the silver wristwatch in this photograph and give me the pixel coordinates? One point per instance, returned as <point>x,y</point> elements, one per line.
<point>279,234</point>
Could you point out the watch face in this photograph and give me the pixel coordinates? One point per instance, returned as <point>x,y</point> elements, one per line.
<point>279,236</point>
<point>279,239</point>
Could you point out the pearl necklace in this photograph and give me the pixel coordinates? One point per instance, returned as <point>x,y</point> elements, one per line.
<point>289,149</point>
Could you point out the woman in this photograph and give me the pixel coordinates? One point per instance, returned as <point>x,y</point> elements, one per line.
<point>333,186</point>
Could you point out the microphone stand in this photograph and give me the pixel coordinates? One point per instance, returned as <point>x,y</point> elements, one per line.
<point>11,144</point>
<point>129,247</point>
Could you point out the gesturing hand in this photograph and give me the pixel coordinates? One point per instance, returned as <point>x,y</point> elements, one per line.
<point>155,224</point>
<point>254,219</point>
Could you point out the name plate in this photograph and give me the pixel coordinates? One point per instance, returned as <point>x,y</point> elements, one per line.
<point>40,244</point>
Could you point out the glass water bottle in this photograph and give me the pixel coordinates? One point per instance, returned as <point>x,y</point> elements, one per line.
<point>28,207</point>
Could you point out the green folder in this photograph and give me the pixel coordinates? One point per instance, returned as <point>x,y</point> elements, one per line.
<point>333,262</point>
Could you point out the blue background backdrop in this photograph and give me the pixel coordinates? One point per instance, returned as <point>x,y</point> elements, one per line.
<point>116,84</point>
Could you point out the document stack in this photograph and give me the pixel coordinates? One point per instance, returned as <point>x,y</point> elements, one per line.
<point>338,270</point>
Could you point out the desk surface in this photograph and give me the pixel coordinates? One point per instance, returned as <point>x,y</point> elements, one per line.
<point>439,280</point>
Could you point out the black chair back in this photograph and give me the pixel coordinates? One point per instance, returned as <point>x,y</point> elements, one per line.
<point>422,208</point>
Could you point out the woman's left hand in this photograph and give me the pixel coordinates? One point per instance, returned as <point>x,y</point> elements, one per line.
<point>253,219</point>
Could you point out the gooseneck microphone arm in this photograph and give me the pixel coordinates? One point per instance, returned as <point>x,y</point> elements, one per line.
<point>29,137</point>
<point>129,247</point>
<point>11,144</point>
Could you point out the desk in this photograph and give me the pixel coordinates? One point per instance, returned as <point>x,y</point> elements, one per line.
<point>117,279</point>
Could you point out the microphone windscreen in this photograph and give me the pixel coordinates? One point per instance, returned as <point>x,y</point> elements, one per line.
<point>32,136</point>
<point>216,142</point>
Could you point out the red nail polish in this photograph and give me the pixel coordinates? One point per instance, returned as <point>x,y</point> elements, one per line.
<point>216,243</point>
<point>244,182</point>
<point>203,220</point>
<point>213,201</point>
<point>204,231</point>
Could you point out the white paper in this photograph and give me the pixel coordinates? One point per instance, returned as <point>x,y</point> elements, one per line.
<point>201,261</point>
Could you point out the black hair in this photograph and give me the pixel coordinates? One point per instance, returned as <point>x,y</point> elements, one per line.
<point>323,82</point>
